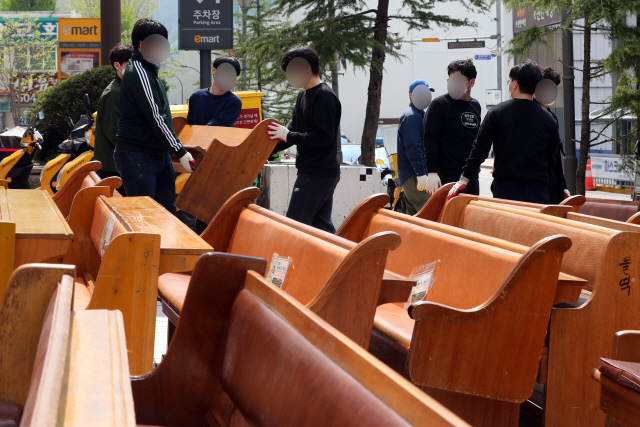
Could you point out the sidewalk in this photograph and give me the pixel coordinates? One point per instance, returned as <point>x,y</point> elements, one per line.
<point>488,164</point>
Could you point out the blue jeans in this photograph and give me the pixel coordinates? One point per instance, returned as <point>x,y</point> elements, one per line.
<point>147,175</point>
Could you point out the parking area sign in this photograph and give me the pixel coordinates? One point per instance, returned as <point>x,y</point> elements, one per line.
<point>205,24</point>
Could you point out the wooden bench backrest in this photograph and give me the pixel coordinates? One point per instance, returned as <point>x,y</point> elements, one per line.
<point>101,215</point>
<point>312,261</point>
<point>113,182</point>
<point>310,381</point>
<point>589,242</point>
<point>125,273</point>
<point>49,369</point>
<point>65,195</point>
<point>30,293</point>
<point>618,212</point>
<point>460,260</point>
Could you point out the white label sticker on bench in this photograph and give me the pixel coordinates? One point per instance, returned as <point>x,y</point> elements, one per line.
<point>424,276</point>
<point>106,234</point>
<point>278,270</point>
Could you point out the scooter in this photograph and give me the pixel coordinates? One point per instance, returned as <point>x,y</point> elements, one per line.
<point>17,163</point>
<point>76,150</point>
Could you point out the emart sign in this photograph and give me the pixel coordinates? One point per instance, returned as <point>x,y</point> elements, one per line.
<point>79,33</point>
<point>205,24</point>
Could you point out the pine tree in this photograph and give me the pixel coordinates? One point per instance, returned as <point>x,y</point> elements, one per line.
<point>353,34</point>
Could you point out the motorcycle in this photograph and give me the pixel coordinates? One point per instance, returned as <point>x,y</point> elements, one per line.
<point>17,163</point>
<point>76,150</point>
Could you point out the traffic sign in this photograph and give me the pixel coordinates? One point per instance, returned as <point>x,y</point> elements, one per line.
<point>466,45</point>
<point>205,24</point>
<point>431,39</point>
<point>482,57</point>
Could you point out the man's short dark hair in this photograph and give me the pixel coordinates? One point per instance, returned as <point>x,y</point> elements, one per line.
<point>527,75</point>
<point>465,66</point>
<point>301,51</point>
<point>229,60</point>
<point>144,27</point>
<point>120,53</point>
<point>551,74</point>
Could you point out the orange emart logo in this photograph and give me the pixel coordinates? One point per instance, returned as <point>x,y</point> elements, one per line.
<point>207,39</point>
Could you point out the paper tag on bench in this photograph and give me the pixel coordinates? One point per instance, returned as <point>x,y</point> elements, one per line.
<point>106,234</point>
<point>278,270</point>
<point>424,276</point>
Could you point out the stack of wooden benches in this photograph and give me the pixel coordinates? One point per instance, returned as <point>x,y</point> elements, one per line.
<point>518,294</point>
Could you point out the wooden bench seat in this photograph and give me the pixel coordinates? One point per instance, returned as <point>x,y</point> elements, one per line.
<point>342,286</point>
<point>245,353</point>
<point>619,380</point>
<point>578,337</point>
<point>115,270</point>
<point>58,367</point>
<point>618,210</point>
<point>431,348</point>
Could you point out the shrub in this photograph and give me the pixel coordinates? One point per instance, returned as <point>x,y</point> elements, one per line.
<point>65,99</point>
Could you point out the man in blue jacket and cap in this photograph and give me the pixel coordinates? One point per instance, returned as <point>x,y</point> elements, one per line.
<point>412,165</point>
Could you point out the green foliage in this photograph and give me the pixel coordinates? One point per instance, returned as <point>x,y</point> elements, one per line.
<point>130,12</point>
<point>27,5</point>
<point>66,100</point>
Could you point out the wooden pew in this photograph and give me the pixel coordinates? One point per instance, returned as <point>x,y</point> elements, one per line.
<point>618,210</point>
<point>579,336</point>
<point>233,159</point>
<point>619,380</point>
<point>115,270</point>
<point>58,367</point>
<point>512,288</point>
<point>343,286</point>
<point>113,182</point>
<point>245,353</point>
<point>65,194</point>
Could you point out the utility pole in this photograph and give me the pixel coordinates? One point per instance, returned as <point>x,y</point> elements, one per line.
<point>111,28</point>
<point>205,68</point>
<point>570,160</point>
<point>499,47</point>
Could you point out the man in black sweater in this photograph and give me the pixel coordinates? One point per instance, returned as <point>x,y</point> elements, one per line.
<point>450,127</point>
<point>524,138</point>
<point>314,129</point>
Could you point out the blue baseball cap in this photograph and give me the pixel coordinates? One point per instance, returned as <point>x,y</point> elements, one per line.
<point>414,84</point>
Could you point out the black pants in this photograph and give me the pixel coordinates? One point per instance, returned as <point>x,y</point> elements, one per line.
<point>106,174</point>
<point>520,192</point>
<point>312,201</point>
<point>473,187</point>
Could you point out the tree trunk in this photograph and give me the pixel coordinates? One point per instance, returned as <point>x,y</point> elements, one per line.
<point>585,133</point>
<point>375,86</point>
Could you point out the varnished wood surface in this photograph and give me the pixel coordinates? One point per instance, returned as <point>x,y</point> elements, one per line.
<point>7,253</point>
<point>183,390</point>
<point>65,195</point>
<point>35,214</point>
<point>229,165</point>
<point>145,215</point>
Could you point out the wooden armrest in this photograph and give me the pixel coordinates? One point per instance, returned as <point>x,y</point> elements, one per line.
<point>626,346</point>
<point>424,309</point>
<point>395,288</point>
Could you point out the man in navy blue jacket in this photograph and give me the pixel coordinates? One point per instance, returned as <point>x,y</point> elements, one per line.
<point>213,106</point>
<point>412,165</point>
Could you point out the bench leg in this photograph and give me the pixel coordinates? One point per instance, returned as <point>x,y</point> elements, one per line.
<point>478,411</point>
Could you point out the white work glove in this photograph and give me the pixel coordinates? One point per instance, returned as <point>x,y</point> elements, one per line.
<point>567,194</point>
<point>433,182</point>
<point>277,131</point>
<point>186,161</point>
<point>422,183</point>
<point>460,185</point>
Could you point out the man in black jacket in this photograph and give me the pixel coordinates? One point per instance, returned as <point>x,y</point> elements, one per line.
<point>525,141</point>
<point>145,133</point>
<point>450,127</point>
<point>108,113</point>
<point>314,129</point>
